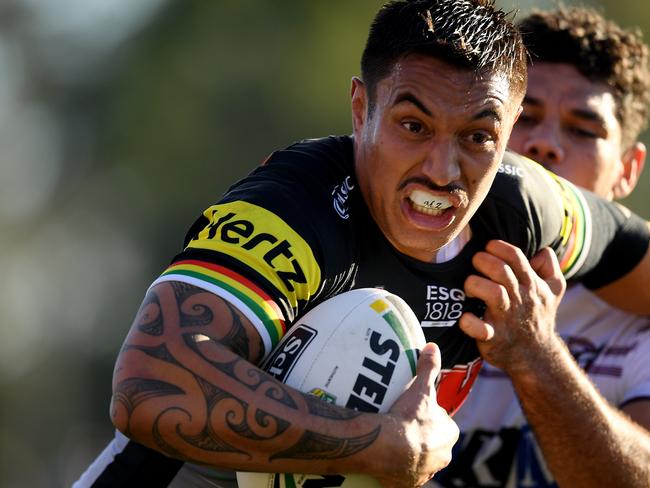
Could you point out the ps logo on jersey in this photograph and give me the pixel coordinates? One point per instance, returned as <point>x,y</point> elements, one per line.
<point>279,365</point>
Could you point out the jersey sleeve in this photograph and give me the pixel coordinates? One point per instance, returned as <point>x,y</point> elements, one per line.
<point>596,241</point>
<point>274,243</point>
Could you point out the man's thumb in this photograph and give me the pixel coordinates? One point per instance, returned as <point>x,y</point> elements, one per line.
<point>429,363</point>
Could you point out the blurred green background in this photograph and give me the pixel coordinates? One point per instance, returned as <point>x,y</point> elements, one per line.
<point>120,120</point>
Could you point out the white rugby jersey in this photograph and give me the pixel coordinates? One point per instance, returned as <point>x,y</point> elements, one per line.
<point>497,446</point>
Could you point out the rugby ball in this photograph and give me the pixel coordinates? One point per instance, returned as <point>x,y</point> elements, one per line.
<point>358,349</point>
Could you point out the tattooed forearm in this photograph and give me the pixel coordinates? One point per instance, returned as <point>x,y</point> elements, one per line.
<point>236,338</point>
<point>207,440</point>
<point>160,441</point>
<point>321,408</point>
<point>248,376</point>
<point>242,418</point>
<point>149,318</point>
<point>159,352</point>
<point>317,446</point>
<point>194,343</point>
<point>261,426</point>
<point>184,384</point>
<point>212,393</point>
<point>133,391</point>
<point>183,291</point>
<point>192,311</point>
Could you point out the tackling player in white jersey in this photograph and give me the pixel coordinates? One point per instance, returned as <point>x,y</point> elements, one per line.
<point>586,102</point>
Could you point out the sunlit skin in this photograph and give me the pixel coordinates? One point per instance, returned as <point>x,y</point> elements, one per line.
<point>435,137</point>
<point>569,125</point>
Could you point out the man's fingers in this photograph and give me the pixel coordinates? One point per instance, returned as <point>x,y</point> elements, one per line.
<point>495,268</point>
<point>546,265</point>
<point>513,257</point>
<point>476,328</point>
<point>429,365</point>
<point>493,294</point>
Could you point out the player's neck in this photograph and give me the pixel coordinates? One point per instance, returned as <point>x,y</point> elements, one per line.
<point>453,248</point>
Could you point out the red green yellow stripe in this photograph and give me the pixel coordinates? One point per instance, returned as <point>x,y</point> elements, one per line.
<point>576,222</point>
<point>259,302</point>
<point>574,228</point>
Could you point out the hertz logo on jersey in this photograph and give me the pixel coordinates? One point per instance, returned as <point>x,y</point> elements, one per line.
<point>260,239</point>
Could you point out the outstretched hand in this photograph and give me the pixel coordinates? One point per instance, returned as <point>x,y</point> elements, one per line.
<point>425,427</point>
<point>521,299</point>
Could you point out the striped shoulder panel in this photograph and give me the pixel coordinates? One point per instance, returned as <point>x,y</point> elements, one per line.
<point>576,228</point>
<point>258,246</point>
<point>250,299</point>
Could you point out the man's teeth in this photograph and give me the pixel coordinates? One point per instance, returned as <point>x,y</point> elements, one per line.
<point>429,204</point>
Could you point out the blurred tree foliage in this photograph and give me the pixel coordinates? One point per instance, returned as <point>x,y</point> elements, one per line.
<point>210,88</point>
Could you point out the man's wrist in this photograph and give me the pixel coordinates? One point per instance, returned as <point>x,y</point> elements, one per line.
<point>535,364</point>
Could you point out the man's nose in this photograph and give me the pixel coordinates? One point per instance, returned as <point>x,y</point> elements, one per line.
<point>543,145</point>
<point>441,165</point>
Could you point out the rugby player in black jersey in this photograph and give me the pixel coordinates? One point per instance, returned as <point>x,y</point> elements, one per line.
<point>422,186</point>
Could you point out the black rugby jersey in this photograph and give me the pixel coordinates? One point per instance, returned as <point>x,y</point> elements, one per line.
<point>296,231</point>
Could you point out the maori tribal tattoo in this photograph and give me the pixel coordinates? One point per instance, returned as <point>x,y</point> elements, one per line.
<point>192,312</point>
<point>316,446</point>
<point>187,357</point>
<point>133,391</point>
<point>150,319</point>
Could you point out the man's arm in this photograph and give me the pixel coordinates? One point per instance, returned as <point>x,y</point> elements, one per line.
<point>630,292</point>
<point>586,442</point>
<point>184,384</point>
<point>599,243</point>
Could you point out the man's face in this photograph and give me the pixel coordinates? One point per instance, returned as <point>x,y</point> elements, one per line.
<point>569,125</point>
<point>427,154</point>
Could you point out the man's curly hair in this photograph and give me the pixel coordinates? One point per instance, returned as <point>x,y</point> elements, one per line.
<point>601,51</point>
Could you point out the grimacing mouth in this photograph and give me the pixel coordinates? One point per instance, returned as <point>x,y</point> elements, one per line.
<point>428,203</point>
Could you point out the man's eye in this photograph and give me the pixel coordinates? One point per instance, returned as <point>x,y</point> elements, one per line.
<point>480,137</point>
<point>583,133</point>
<point>414,127</point>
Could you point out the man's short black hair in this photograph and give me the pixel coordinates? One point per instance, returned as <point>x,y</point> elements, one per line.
<point>471,34</point>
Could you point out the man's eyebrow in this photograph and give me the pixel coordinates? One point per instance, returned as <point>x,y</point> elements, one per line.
<point>588,115</point>
<point>581,113</point>
<point>409,97</point>
<point>488,112</point>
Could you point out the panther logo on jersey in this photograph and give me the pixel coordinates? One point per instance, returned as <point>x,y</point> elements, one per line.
<point>341,193</point>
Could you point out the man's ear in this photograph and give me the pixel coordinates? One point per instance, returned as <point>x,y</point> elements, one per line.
<point>633,161</point>
<point>359,97</point>
<point>519,110</point>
